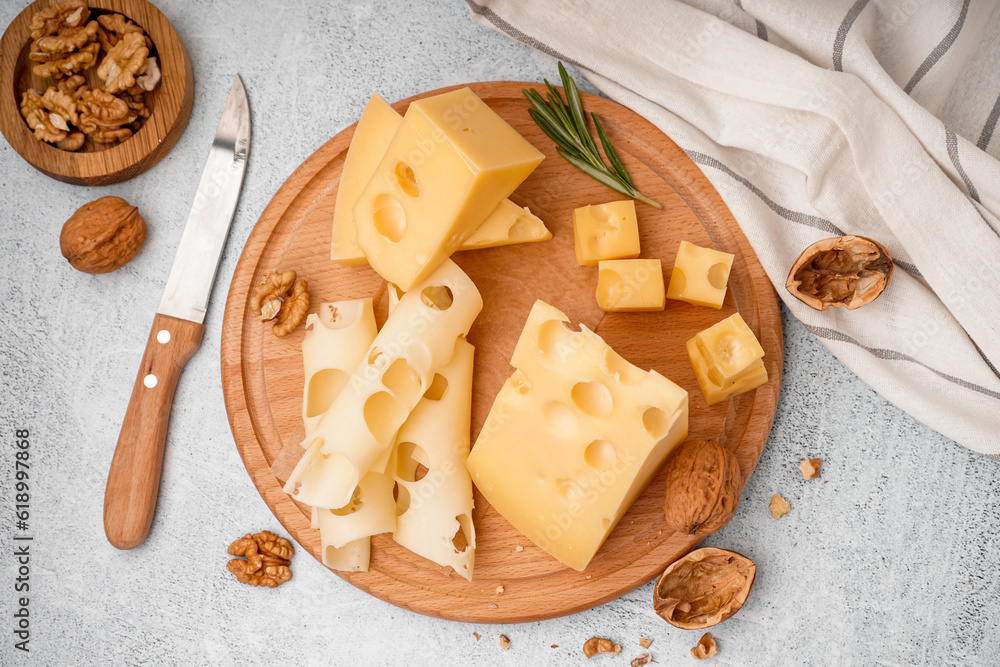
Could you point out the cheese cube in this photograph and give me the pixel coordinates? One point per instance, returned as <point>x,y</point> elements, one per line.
<point>507,224</point>
<point>573,437</point>
<point>727,360</point>
<point>605,231</point>
<point>700,275</point>
<point>630,285</point>
<point>450,164</point>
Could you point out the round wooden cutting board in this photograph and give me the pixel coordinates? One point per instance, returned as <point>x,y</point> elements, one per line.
<point>262,375</point>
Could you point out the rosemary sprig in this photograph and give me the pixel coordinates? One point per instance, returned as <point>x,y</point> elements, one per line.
<point>566,124</point>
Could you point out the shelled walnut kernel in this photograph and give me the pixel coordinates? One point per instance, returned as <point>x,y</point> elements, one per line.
<point>268,558</point>
<point>65,45</point>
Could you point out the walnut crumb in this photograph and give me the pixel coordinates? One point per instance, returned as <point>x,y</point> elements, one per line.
<point>499,590</point>
<point>504,642</point>
<point>705,648</point>
<point>779,506</point>
<point>554,646</point>
<point>810,468</point>
<point>596,645</point>
<point>645,643</point>
<point>643,659</point>
<point>476,635</point>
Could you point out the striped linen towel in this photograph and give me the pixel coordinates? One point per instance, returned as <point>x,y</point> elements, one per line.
<point>819,118</point>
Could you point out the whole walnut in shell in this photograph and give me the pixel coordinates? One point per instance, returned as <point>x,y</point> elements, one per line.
<point>703,487</point>
<point>103,236</point>
<point>703,588</point>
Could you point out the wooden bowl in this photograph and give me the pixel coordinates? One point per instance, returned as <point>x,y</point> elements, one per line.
<point>97,164</point>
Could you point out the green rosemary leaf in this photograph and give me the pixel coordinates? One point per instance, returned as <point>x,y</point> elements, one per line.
<point>541,108</point>
<point>576,113</point>
<point>609,150</point>
<point>565,122</point>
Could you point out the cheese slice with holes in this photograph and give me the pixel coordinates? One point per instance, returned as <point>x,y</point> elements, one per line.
<point>434,488</point>
<point>360,427</point>
<point>449,165</point>
<point>370,511</point>
<point>336,339</point>
<point>507,224</point>
<point>574,437</point>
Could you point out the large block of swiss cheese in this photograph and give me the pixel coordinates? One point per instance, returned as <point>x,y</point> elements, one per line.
<point>574,436</point>
<point>449,165</point>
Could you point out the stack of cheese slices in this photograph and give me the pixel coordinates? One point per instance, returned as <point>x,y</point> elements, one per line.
<point>575,434</point>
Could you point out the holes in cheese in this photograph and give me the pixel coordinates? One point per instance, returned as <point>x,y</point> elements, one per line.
<point>403,382</point>
<point>621,370</point>
<point>656,422</point>
<point>406,180</point>
<point>323,387</point>
<point>384,415</point>
<point>592,398</point>
<point>718,276</point>
<point>434,497</point>
<point>402,497</point>
<point>565,461</point>
<point>388,217</point>
<point>351,507</point>
<point>600,455</point>
<point>361,424</point>
<point>437,389</point>
<point>438,297</point>
<point>461,541</point>
<point>412,462</point>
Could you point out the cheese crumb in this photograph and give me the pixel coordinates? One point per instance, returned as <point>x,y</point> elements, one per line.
<point>499,590</point>
<point>519,548</point>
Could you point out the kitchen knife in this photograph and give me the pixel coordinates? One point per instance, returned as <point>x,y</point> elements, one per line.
<point>134,478</point>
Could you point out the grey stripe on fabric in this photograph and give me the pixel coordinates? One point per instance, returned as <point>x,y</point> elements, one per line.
<point>845,27</point>
<point>940,49</point>
<point>893,355</point>
<point>510,30</point>
<point>761,28</point>
<point>788,214</point>
<point>952,142</point>
<point>991,123</point>
<point>985,358</point>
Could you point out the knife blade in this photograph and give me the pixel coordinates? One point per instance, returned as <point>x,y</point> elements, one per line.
<point>134,476</point>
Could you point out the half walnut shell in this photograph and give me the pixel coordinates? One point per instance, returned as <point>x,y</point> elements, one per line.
<point>847,271</point>
<point>703,588</point>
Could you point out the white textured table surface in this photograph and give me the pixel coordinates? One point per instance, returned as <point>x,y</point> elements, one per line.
<point>890,558</point>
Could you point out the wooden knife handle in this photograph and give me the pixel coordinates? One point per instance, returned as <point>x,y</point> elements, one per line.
<point>134,478</point>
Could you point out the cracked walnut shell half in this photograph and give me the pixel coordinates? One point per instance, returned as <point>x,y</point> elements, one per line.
<point>847,271</point>
<point>703,588</point>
